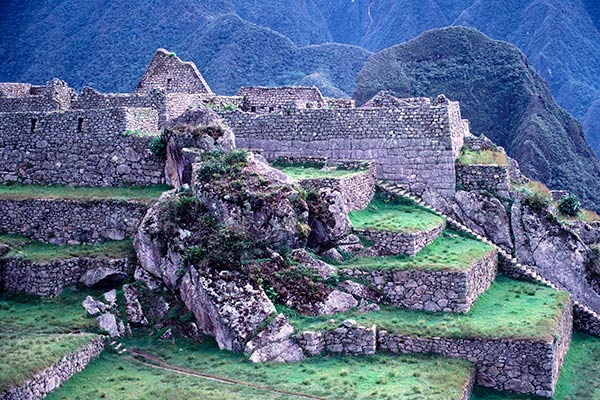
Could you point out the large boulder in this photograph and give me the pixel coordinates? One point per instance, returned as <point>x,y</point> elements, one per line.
<point>102,277</point>
<point>328,218</point>
<point>226,305</point>
<point>274,343</point>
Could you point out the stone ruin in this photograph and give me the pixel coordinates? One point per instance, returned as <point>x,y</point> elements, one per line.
<point>52,135</point>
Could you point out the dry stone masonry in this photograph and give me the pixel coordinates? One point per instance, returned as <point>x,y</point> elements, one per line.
<point>492,178</point>
<point>386,243</point>
<point>61,221</point>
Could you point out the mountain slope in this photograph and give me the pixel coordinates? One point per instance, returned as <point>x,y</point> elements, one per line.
<point>500,93</point>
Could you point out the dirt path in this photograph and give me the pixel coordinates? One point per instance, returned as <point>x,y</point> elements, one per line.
<point>153,361</point>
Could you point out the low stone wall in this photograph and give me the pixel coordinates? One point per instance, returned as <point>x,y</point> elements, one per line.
<point>515,365</point>
<point>48,279</point>
<point>583,321</point>
<point>60,221</point>
<point>387,243</point>
<point>448,291</point>
<point>492,178</point>
<point>52,377</point>
<point>348,339</point>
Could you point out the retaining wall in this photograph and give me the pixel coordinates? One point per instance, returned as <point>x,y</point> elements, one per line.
<point>386,243</point>
<point>52,377</point>
<point>348,339</point>
<point>48,279</point>
<point>492,178</point>
<point>60,221</point>
<point>79,147</point>
<point>448,291</point>
<point>415,147</point>
<point>515,365</point>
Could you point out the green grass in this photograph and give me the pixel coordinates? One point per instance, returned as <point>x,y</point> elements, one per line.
<point>21,357</point>
<point>20,192</point>
<point>300,172</point>
<point>508,309</point>
<point>43,252</point>
<point>381,377</point>
<point>398,215</point>
<point>578,379</point>
<point>448,252</point>
<point>485,157</point>
<point>23,314</point>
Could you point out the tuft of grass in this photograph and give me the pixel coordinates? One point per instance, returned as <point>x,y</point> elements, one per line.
<point>448,252</point>
<point>41,252</point>
<point>22,356</point>
<point>396,215</point>
<point>482,157</point>
<point>22,192</point>
<point>508,309</point>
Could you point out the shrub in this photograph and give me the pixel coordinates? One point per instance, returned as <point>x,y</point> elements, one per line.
<point>537,200</point>
<point>171,54</point>
<point>229,107</point>
<point>569,206</point>
<point>158,147</point>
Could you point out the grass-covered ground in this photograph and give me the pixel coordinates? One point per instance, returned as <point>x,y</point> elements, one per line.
<point>42,252</point>
<point>18,192</point>
<point>448,252</point>
<point>375,377</point>
<point>508,309</point>
<point>397,215</point>
<point>300,171</point>
<point>26,315</point>
<point>578,379</point>
<point>487,157</point>
<point>22,356</point>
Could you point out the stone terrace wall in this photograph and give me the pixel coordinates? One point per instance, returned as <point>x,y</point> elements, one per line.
<point>516,365</point>
<point>413,146</point>
<point>492,178</point>
<point>448,291</point>
<point>348,339</point>
<point>60,221</point>
<point>98,154</point>
<point>388,243</point>
<point>48,279</point>
<point>52,377</point>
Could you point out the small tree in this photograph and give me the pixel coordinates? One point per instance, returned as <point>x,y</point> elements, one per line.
<point>569,206</point>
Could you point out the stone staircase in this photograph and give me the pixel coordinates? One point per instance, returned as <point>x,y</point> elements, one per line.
<point>581,310</point>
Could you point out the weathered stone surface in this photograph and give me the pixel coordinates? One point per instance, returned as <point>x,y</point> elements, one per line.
<point>93,307</point>
<point>102,277</point>
<point>491,178</point>
<point>335,302</point>
<point>360,291</point>
<point>387,243</point>
<point>274,343</point>
<point>321,268</point>
<point>333,254</point>
<point>328,218</point>
<point>109,324</point>
<point>225,305</point>
<point>135,314</point>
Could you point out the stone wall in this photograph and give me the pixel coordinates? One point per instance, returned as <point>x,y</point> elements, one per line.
<point>79,147</point>
<point>515,365</point>
<point>340,103</point>
<point>48,279</point>
<point>357,190</point>
<point>583,321</point>
<point>60,221</point>
<point>448,291</point>
<point>492,178</point>
<point>269,99</point>
<point>413,146</point>
<point>388,243</point>
<point>348,339</point>
<point>23,97</point>
<point>168,72</point>
<point>52,377</point>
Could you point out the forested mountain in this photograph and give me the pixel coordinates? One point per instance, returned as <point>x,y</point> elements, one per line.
<point>502,96</point>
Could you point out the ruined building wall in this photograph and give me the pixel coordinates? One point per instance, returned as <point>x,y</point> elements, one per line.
<point>79,147</point>
<point>414,146</point>
<point>269,99</point>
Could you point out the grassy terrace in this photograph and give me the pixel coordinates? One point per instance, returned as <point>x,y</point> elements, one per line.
<point>41,252</point>
<point>508,309</point>
<point>397,215</point>
<point>21,192</point>
<point>449,252</point>
<point>485,157</point>
<point>380,377</point>
<point>300,171</point>
<point>23,356</point>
